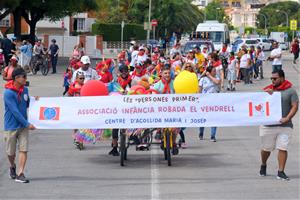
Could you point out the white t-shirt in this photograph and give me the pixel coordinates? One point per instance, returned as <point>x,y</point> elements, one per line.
<point>89,74</point>
<point>232,65</point>
<point>244,61</point>
<point>276,52</point>
<point>208,86</point>
<point>134,56</point>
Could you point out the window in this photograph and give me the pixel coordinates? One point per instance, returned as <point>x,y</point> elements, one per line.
<point>236,4</point>
<point>79,24</point>
<point>4,23</point>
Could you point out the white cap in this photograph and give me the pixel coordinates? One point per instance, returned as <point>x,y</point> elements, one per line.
<point>1,50</point>
<point>141,48</point>
<point>85,60</point>
<point>133,42</point>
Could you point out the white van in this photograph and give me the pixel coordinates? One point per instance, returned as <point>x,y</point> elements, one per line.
<point>214,31</point>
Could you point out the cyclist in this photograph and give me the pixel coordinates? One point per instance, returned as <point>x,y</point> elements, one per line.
<point>38,52</point>
<point>165,86</point>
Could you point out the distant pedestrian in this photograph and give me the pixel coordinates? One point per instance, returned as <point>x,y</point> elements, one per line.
<point>16,125</point>
<point>295,50</point>
<point>7,72</point>
<point>278,136</point>
<point>275,57</point>
<point>54,49</point>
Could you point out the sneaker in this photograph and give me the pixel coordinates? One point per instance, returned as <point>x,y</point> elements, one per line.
<point>213,139</point>
<point>282,176</point>
<point>21,179</point>
<point>12,172</point>
<point>114,152</point>
<point>263,170</point>
<point>183,145</point>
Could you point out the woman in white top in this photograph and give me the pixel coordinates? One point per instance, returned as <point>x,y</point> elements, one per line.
<point>245,64</point>
<point>210,83</point>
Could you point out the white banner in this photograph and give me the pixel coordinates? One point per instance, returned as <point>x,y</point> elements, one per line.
<point>150,111</point>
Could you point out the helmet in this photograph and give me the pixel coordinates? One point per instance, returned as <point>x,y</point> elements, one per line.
<point>85,60</point>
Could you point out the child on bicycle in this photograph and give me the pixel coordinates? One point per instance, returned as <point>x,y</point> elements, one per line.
<point>165,86</point>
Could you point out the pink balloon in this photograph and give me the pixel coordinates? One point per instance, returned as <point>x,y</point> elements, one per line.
<point>94,88</point>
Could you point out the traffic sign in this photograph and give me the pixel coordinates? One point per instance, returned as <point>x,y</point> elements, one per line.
<point>154,22</point>
<point>147,26</point>
<point>293,25</point>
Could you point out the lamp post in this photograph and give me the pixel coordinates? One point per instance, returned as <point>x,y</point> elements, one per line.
<point>217,13</point>
<point>287,16</point>
<point>265,17</point>
<point>149,19</point>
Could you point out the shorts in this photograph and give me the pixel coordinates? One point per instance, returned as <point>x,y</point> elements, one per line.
<point>275,137</point>
<point>17,137</point>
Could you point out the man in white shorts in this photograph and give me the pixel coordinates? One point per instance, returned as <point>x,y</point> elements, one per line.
<point>278,136</point>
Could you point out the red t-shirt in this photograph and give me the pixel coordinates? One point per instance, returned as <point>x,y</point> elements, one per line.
<point>105,77</point>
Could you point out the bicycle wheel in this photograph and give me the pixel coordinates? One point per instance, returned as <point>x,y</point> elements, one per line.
<point>44,70</point>
<point>123,149</point>
<point>168,147</point>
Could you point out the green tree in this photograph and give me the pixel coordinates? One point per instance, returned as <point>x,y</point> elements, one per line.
<point>274,14</point>
<point>35,10</point>
<point>172,15</point>
<point>215,11</point>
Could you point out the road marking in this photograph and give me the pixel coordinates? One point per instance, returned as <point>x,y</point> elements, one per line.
<point>154,174</point>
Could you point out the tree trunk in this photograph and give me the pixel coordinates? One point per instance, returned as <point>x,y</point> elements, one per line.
<point>32,26</point>
<point>17,13</point>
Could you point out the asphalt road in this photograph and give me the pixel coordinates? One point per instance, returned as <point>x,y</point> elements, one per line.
<point>227,169</point>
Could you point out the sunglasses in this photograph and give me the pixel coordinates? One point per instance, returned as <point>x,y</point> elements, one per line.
<point>81,78</point>
<point>274,78</point>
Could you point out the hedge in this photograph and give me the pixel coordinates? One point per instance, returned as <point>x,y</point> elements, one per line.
<point>112,32</point>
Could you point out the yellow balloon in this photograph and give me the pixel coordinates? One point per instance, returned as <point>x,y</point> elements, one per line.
<point>186,83</point>
<point>151,80</point>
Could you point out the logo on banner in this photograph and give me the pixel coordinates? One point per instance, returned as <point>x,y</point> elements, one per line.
<point>47,113</point>
<point>259,110</point>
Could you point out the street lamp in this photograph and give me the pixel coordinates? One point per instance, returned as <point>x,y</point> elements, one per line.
<point>149,18</point>
<point>287,16</point>
<point>217,13</point>
<point>265,17</point>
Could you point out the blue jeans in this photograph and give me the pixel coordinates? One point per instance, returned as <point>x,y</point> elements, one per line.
<point>213,132</point>
<point>276,67</point>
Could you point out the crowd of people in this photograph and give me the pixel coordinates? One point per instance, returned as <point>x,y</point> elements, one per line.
<point>155,70</point>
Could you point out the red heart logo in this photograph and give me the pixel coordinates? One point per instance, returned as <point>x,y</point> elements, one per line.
<point>258,108</point>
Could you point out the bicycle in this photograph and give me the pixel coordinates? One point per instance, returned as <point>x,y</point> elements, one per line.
<point>168,144</point>
<point>42,63</point>
<point>142,138</point>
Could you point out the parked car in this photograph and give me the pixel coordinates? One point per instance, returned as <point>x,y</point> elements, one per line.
<point>264,43</point>
<point>284,45</point>
<point>190,45</point>
<point>236,45</point>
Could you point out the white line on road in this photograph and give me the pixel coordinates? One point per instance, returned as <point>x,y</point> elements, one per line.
<point>154,174</point>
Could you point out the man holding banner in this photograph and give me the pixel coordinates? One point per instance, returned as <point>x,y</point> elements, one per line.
<point>277,136</point>
<point>16,125</point>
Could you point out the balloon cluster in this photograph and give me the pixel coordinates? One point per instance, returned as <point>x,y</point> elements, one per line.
<point>139,89</point>
<point>88,135</point>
